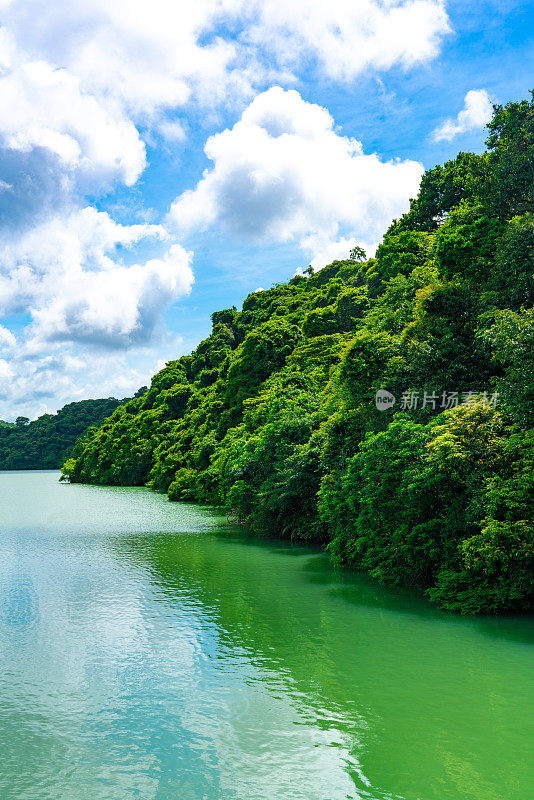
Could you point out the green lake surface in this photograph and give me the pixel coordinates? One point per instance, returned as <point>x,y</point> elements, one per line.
<point>149,650</point>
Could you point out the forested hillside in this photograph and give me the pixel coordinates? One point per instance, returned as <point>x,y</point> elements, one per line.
<point>274,414</point>
<point>46,442</point>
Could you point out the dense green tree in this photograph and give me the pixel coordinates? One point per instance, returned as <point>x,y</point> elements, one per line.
<point>512,275</point>
<point>444,188</point>
<point>512,340</point>
<point>47,441</point>
<point>466,244</point>
<point>510,183</point>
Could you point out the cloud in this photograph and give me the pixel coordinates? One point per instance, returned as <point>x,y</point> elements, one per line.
<point>476,113</point>
<point>141,55</point>
<point>58,143</point>
<point>45,107</point>
<point>77,83</point>
<point>282,174</point>
<point>117,307</point>
<point>335,250</point>
<point>7,339</point>
<point>33,386</point>
<point>93,316</point>
<point>161,54</point>
<point>345,37</point>
<point>172,131</point>
<point>68,273</point>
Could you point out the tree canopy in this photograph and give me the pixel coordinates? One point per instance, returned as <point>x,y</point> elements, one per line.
<point>46,442</point>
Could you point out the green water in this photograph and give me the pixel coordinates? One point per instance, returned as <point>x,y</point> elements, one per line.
<point>148,651</point>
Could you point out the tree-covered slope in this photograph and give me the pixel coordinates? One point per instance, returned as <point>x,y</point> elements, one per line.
<point>46,442</point>
<point>274,414</point>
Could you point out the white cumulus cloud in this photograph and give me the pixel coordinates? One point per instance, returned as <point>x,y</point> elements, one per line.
<point>44,107</point>
<point>7,339</point>
<point>67,272</point>
<point>283,173</point>
<point>476,113</point>
<point>149,55</point>
<point>33,386</point>
<point>348,36</point>
<point>115,307</point>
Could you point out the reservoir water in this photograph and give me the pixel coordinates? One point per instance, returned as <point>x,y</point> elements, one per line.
<point>149,650</point>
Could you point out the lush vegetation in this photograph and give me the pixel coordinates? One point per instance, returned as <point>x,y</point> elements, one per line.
<point>46,442</point>
<point>274,414</point>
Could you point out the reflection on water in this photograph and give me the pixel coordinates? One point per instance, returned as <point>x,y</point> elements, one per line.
<point>150,651</point>
<point>20,603</point>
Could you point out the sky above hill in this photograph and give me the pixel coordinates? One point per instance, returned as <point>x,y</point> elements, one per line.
<point>161,160</point>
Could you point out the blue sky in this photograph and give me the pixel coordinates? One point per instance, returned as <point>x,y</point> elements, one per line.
<point>159,162</point>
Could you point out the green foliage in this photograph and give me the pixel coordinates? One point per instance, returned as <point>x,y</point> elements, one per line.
<point>419,504</point>
<point>496,563</point>
<point>370,361</point>
<point>320,322</point>
<point>183,485</point>
<point>466,243</point>
<point>357,254</point>
<point>402,251</point>
<point>511,159</point>
<point>512,340</point>
<point>512,277</point>
<point>46,442</point>
<point>444,188</point>
<point>263,352</point>
<point>273,416</point>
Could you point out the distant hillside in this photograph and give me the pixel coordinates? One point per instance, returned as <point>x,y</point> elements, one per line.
<point>47,442</point>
